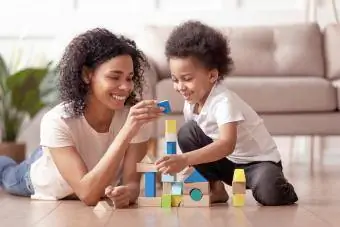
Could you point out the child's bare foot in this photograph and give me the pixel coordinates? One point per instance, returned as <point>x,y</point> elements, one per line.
<point>218,192</point>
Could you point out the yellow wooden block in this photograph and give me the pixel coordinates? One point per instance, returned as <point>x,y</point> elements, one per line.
<point>239,175</point>
<point>176,200</point>
<point>239,200</point>
<point>170,126</point>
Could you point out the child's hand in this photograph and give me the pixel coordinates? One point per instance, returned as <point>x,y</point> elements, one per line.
<point>119,195</point>
<point>171,164</point>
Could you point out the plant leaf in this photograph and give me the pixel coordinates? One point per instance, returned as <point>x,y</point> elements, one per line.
<point>25,89</point>
<point>3,75</point>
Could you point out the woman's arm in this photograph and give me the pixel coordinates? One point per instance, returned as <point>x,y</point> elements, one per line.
<point>90,186</point>
<point>131,178</point>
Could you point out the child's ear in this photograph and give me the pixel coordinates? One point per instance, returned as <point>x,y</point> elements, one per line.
<point>86,75</point>
<point>213,75</point>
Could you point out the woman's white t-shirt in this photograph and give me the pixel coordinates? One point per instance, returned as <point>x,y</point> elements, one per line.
<point>58,129</point>
<point>254,143</point>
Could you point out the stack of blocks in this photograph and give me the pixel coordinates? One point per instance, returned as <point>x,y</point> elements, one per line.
<point>193,191</point>
<point>239,187</point>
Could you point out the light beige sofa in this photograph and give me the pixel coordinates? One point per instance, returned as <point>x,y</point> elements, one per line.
<point>286,73</point>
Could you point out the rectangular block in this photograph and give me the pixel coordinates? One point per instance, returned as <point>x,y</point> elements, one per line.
<point>166,105</point>
<point>167,186</point>
<point>166,201</point>
<point>188,202</point>
<point>149,201</point>
<point>176,200</point>
<point>239,200</point>
<point>171,147</point>
<point>177,188</point>
<point>170,126</point>
<point>168,178</point>
<point>150,184</point>
<point>239,188</point>
<point>170,137</point>
<point>203,186</point>
<point>146,167</point>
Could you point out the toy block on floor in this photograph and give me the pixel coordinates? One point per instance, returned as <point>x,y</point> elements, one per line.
<point>103,206</point>
<point>239,200</point>
<point>170,126</point>
<point>171,147</point>
<point>203,186</point>
<point>176,200</point>
<point>239,187</point>
<point>149,201</point>
<point>166,201</point>
<point>188,201</point>
<point>166,105</point>
<point>195,177</point>
<point>146,167</point>
<point>150,184</point>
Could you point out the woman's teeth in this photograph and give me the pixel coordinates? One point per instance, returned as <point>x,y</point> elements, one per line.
<point>119,97</point>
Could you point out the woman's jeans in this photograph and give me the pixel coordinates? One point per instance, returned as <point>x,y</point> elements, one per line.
<point>15,178</point>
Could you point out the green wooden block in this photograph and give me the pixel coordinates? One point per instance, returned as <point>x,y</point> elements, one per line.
<point>166,201</point>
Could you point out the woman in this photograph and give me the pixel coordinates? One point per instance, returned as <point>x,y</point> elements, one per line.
<point>93,139</point>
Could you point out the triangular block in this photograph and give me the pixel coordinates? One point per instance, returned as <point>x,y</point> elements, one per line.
<point>194,177</point>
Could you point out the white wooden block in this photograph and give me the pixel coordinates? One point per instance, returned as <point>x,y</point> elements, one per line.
<point>103,206</point>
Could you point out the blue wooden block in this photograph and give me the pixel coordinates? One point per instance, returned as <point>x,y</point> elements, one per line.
<point>195,177</point>
<point>176,188</point>
<point>150,184</point>
<point>171,147</point>
<point>168,178</point>
<point>166,105</point>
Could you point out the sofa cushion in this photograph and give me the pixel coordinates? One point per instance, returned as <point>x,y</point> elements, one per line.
<point>269,95</point>
<point>286,50</point>
<point>332,53</point>
<point>299,94</point>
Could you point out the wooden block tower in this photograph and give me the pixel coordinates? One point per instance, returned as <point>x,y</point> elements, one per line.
<point>169,181</point>
<point>239,187</point>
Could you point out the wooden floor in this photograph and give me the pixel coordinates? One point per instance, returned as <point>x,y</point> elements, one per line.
<point>317,185</point>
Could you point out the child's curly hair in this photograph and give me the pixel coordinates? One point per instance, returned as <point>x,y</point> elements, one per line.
<point>209,46</point>
<point>91,49</point>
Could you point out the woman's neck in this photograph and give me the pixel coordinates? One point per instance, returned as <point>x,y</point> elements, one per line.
<point>98,116</point>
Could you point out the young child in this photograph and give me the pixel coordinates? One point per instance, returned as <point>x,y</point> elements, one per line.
<point>221,132</point>
<point>94,138</point>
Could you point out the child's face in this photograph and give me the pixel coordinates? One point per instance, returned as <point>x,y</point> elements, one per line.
<point>191,79</point>
<point>111,82</point>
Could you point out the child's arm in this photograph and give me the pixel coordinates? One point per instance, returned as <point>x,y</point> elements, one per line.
<point>216,150</point>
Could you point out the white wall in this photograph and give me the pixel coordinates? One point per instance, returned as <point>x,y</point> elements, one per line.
<point>42,28</point>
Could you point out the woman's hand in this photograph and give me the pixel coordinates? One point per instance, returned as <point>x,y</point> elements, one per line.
<point>119,195</point>
<point>143,112</point>
<point>172,164</point>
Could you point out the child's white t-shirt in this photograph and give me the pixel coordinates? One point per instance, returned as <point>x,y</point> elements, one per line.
<point>58,129</point>
<point>254,142</point>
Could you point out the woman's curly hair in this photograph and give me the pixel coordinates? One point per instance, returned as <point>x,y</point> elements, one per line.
<point>91,49</point>
<point>206,44</point>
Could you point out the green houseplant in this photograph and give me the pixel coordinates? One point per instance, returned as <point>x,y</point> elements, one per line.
<point>21,97</point>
